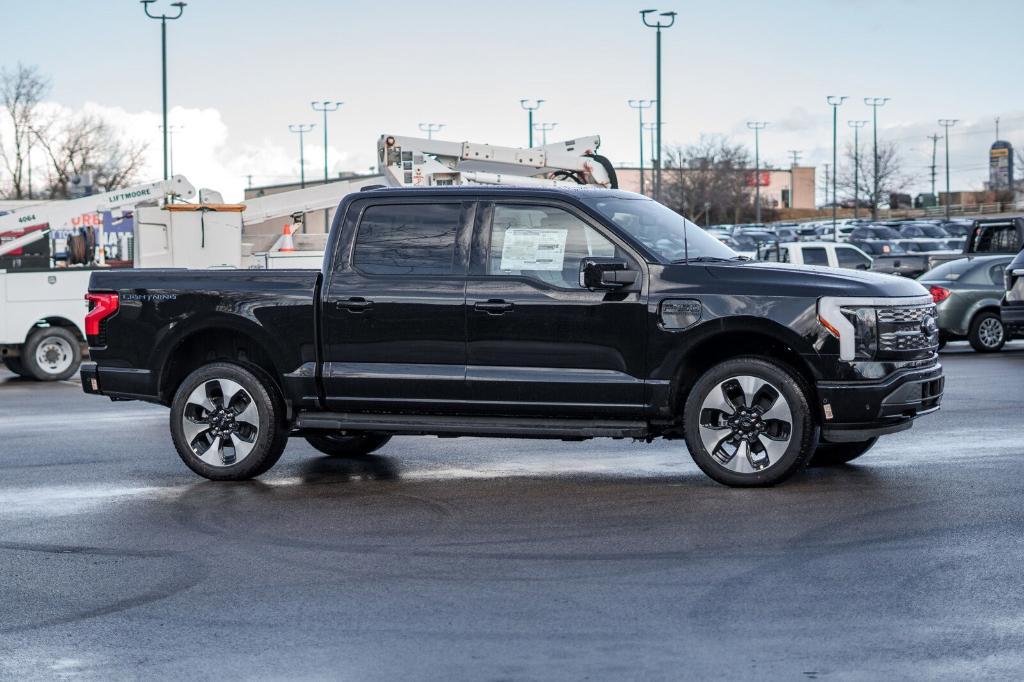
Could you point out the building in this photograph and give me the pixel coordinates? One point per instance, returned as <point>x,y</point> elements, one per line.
<point>790,188</point>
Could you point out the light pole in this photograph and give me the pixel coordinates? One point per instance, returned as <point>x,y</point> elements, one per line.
<point>430,129</point>
<point>171,129</point>
<point>671,17</point>
<point>757,127</point>
<point>326,106</point>
<point>650,127</point>
<point>163,52</point>
<point>947,123</point>
<point>835,101</point>
<point>640,105</point>
<point>302,129</point>
<point>856,125</point>
<point>874,103</point>
<point>530,108</point>
<point>544,128</point>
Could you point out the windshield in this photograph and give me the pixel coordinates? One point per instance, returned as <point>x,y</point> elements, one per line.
<point>666,233</point>
<point>885,233</point>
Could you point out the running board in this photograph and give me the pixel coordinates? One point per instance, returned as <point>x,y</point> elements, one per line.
<point>453,425</point>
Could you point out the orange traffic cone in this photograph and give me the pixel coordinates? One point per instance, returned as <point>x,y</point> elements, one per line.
<point>287,244</point>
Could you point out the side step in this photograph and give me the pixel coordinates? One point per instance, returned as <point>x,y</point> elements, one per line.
<point>455,425</point>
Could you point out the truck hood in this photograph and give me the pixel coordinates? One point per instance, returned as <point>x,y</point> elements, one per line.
<point>787,279</point>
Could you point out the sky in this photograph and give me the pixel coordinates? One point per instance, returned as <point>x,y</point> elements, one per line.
<point>241,71</point>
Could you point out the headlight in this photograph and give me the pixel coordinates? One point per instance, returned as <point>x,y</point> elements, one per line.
<point>867,326</point>
<point>856,327</point>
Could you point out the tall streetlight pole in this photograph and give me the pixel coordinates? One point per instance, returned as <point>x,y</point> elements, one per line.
<point>325,107</point>
<point>856,125</point>
<point>302,129</point>
<point>650,127</point>
<point>757,127</point>
<point>530,108</point>
<point>430,129</point>
<point>874,103</point>
<point>544,128</point>
<point>947,123</point>
<point>640,105</point>
<point>171,129</point>
<point>658,25</point>
<point>164,18</point>
<point>835,101</point>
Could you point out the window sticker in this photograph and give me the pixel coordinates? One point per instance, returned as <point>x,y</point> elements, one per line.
<point>533,249</point>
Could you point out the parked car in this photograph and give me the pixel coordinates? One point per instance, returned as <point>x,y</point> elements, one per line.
<point>1011,308</point>
<point>829,254</point>
<point>967,294</point>
<point>866,232</point>
<point>923,230</point>
<point>919,256</point>
<point>519,312</point>
<point>878,247</point>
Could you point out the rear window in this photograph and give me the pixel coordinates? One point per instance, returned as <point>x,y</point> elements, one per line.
<point>815,256</point>
<point>408,239</point>
<point>949,271</point>
<point>996,238</point>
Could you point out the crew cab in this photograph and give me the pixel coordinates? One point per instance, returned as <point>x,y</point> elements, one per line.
<point>519,312</point>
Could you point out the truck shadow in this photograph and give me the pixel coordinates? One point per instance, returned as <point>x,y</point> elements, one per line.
<point>322,470</point>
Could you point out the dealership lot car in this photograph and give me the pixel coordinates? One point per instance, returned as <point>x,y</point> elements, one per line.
<point>501,312</point>
<point>966,294</point>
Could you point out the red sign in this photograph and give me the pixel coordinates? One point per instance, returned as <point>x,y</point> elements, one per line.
<point>763,178</point>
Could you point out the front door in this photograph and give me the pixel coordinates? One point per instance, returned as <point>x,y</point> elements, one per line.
<point>539,342</point>
<point>394,333</point>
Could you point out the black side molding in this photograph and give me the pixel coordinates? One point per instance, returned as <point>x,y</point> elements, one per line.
<point>449,425</point>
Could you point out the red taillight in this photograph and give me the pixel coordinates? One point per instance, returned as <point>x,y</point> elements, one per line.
<point>101,306</point>
<point>939,294</point>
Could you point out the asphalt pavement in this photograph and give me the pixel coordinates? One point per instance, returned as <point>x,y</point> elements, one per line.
<point>496,559</point>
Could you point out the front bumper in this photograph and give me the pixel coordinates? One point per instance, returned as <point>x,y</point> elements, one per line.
<point>854,411</point>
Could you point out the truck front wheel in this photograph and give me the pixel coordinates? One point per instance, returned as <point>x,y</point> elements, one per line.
<point>227,422</point>
<point>51,354</point>
<point>748,423</point>
<point>338,445</point>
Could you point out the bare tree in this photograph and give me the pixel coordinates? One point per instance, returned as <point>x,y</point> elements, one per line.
<point>708,181</point>
<point>87,145</point>
<point>21,91</point>
<point>891,178</point>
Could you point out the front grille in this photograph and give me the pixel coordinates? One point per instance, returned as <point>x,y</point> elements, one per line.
<point>907,329</point>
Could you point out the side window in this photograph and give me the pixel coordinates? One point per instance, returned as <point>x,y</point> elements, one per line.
<point>815,255</point>
<point>997,239</point>
<point>542,242</point>
<point>996,273</point>
<point>408,239</point>
<point>848,258</point>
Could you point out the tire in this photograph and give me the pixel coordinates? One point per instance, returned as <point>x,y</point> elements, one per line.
<point>14,364</point>
<point>51,354</point>
<point>223,403</point>
<point>337,445</point>
<point>723,413</point>
<point>987,334</point>
<point>834,454</point>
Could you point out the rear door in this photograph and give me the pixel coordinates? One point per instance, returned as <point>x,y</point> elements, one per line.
<point>538,342</point>
<point>394,329</point>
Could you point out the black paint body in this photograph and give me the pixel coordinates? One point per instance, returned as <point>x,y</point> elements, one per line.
<point>343,341</point>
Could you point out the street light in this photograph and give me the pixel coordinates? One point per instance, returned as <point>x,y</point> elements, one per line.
<point>947,123</point>
<point>544,128</point>
<point>874,103</point>
<point>164,18</point>
<point>430,129</point>
<point>325,106</point>
<point>671,17</point>
<point>835,101</point>
<point>856,125</point>
<point>302,129</point>
<point>171,129</point>
<point>640,105</point>
<point>530,108</point>
<point>757,127</point>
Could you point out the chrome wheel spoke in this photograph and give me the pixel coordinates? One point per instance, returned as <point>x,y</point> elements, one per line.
<point>214,454</point>
<point>193,429</point>
<point>249,415</point>
<point>775,449</point>
<point>242,447</point>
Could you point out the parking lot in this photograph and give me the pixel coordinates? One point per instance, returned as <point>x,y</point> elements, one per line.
<point>496,559</point>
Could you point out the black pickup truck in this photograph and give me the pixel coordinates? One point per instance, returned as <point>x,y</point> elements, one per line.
<point>519,312</point>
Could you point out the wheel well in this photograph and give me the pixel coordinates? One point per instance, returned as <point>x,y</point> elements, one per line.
<point>728,345</point>
<point>986,309</point>
<point>213,345</point>
<point>62,322</point>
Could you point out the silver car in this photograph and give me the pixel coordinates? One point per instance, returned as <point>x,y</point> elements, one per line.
<point>967,292</point>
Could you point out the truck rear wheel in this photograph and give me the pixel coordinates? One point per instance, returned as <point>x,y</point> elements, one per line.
<point>338,445</point>
<point>51,354</point>
<point>748,423</point>
<point>227,422</point>
<point>834,454</point>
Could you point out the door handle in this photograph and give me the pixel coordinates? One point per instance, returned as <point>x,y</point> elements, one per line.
<point>493,307</point>
<point>356,304</point>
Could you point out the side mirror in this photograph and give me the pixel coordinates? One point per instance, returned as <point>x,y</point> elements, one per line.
<point>863,266</point>
<point>606,273</point>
